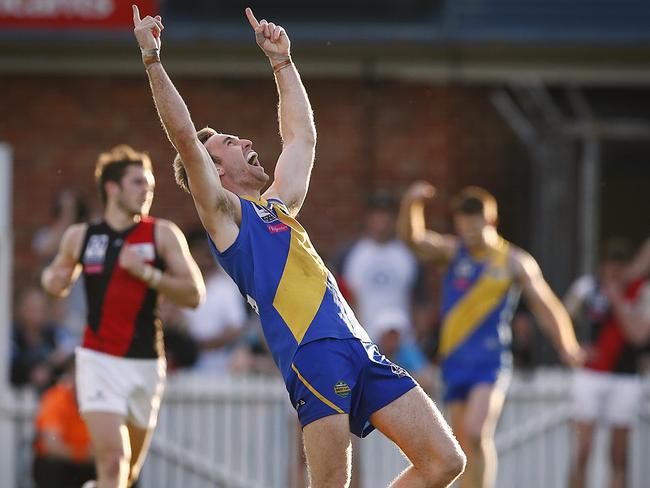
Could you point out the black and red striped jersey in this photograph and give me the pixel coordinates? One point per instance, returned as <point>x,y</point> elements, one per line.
<point>122,310</point>
<point>612,352</point>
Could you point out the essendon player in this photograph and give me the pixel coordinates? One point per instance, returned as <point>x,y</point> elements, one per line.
<point>128,260</point>
<point>608,389</point>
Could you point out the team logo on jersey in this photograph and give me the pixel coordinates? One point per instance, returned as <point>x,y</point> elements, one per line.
<point>462,274</point>
<point>146,250</point>
<point>398,370</point>
<point>342,389</point>
<point>95,253</point>
<point>264,213</point>
<point>464,268</point>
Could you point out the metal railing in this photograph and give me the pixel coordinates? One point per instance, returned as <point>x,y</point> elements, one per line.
<point>241,432</point>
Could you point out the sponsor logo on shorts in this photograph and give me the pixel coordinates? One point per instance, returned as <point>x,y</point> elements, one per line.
<point>398,370</point>
<point>300,403</point>
<point>342,389</point>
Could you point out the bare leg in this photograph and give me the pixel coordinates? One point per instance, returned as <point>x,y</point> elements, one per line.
<point>328,451</point>
<point>618,451</point>
<point>110,439</point>
<point>583,435</point>
<point>140,440</point>
<point>298,473</point>
<point>474,421</point>
<point>414,423</point>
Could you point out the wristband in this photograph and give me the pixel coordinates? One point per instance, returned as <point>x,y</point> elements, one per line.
<point>155,278</point>
<point>281,65</point>
<point>150,56</point>
<point>151,276</point>
<point>147,273</point>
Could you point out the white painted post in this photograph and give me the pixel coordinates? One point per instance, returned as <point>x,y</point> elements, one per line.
<point>7,430</point>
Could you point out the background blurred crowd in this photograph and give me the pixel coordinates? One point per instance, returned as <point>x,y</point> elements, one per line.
<point>394,296</point>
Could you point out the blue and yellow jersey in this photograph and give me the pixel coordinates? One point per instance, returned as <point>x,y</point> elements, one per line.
<point>479,297</point>
<point>277,269</point>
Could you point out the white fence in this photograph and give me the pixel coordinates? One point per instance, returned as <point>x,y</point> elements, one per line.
<point>242,433</point>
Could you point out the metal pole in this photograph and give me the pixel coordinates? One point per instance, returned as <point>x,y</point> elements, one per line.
<point>7,460</point>
<point>6,251</point>
<point>589,205</point>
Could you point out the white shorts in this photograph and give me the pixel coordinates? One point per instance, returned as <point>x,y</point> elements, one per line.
<point>130,387</point>
<point>613,398</point>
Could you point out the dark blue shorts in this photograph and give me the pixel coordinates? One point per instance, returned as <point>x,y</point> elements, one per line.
<point>459,386</point>
<point>331,376</point>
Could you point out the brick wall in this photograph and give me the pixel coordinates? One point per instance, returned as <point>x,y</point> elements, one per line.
<point>371,135</point>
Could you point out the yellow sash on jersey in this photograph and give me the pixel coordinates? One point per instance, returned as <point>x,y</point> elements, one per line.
<point>472,309</point>
<point>302,286</point>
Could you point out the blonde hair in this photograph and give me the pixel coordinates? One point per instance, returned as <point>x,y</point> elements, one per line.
<point>179,168</point>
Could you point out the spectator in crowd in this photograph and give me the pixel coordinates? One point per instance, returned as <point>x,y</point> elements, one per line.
<point>216,325</point>
<point>69,208</point>
<point>381,273</point>
<point>62,448</point>
<point>36,353</point>
<point>254,356</point>
<point>393,330</point>
<point>608,388</point>
<point>523,340</point>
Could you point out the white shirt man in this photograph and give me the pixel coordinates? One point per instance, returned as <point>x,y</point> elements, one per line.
<point>217,323</point>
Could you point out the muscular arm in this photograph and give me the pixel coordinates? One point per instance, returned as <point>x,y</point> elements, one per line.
<point>218,209</point>
<point>60,275</point>
<point>578,292</point>
<point>181,282</point>
<point>293,169</point>
<point>547,308</point>
<point>411,226</point>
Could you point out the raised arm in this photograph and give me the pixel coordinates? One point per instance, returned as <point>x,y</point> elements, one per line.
<point>60,275</point>
<point>181,282</point>
<point>411,226</point>
<point>547,308</point>
<point>293,169</point>
<point>640,265</point>
<point>633,313</point>
<point>219,209</point>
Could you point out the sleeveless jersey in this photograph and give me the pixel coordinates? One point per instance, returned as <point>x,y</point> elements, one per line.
<point>478,301</point>
<point>612,353</point>
<point>277,269</point>
<point>122,310</point>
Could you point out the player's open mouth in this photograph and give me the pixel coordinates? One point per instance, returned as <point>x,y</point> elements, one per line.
<point>252,159</point>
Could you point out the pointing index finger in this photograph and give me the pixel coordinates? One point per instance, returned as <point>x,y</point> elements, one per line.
<point>251,18</point>
<point>136,15</point>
